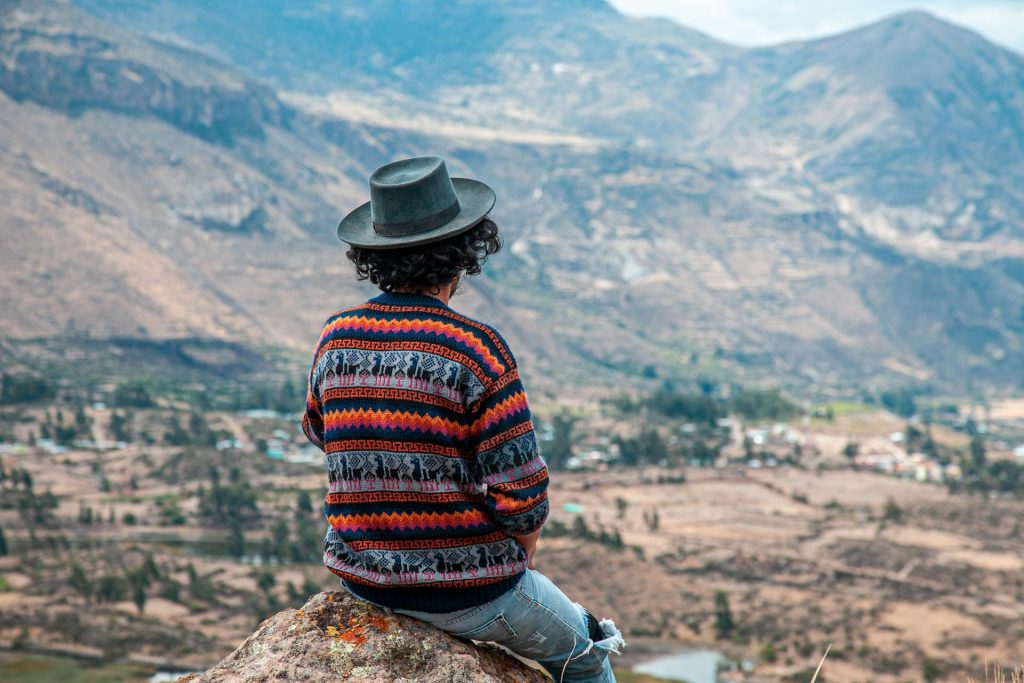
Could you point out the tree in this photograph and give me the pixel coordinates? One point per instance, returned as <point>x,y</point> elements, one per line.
<point>648,447</point>
<point>132,395</point>
<point>280,534</point>
<point>724,623</point>
<point>265,581</point>
<point>850,450</point>
<point>900,401</point>
<point>110,589</point>
<point>651,519</point>
<point>119,426</point>
<point>620,507</point>
<point>558,451</point>
<point>236,541</point>
<point>931,670</point>
<point>304,504</point>
<point>139,581</point>
<point>892,512</point>
<point>580,528</point>
<point>762,404</point>
<point>977,448</point>
<point>24,389</point>
<point>3,543</point>
<point>84,513</point>
<point>79,581</point>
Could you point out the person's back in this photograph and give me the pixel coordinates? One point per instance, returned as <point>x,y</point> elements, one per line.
<point>432,462</point>
<point>437,489</point>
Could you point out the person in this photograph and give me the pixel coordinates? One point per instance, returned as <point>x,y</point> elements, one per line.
<point>437,489</point>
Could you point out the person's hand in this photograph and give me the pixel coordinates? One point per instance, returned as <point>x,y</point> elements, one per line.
<point>529,544</point>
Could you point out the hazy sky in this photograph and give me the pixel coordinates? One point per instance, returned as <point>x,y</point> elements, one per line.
<point>761,22</point>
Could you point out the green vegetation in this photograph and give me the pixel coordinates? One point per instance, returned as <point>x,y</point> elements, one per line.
<point>647,448</point>
<point>931,670</point>
<point>892,512</point>
<point>558,451</point>
<point>580,530</point>
<point>234,503</point>
<point>981,476</point>
<point>28,668</point>
<point>24,389</point>
<point>724,622</point>
<point>762,404</point>
<point>899,401</point>
<point>132,394</point>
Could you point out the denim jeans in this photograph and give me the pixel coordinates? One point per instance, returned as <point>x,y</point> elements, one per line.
<point>537,621</point>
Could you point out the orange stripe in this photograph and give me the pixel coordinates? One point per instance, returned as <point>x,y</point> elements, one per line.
<point>469,322</point>
<point>516,506</point>
<point>394,419</point>
<point>409,520</point>
<point>363,323</point>
<point>513,405</point>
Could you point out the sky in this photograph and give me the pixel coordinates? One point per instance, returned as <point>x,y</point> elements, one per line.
<point>764,22</point>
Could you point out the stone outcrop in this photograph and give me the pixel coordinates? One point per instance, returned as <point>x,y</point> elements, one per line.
<point>335,637</point>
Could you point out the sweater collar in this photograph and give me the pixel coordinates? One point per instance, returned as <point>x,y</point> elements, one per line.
<point>407,299</point>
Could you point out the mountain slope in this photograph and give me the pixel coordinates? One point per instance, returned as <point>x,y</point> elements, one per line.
<point>673,207</point>
<point>910,113</point>
<point>107,229</point>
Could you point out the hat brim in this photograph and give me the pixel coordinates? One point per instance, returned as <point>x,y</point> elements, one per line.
<point>475,201</point>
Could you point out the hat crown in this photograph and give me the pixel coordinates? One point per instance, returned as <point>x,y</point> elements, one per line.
<point>411,196</point>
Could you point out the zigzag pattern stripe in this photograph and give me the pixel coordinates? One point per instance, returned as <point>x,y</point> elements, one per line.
<point>405,326</point>
<point>452,315</point>
<point>360,418</point>
<point>402,521</point>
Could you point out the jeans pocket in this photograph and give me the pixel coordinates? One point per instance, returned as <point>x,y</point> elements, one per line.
<point>497,630</point>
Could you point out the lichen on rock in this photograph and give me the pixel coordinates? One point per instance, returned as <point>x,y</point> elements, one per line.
<point>335,637</point>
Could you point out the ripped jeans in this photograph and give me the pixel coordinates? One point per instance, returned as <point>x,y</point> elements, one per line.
<point>537,621</point>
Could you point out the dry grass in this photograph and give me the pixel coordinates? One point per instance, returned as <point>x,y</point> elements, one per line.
<point>821,663</point>
<point>997,675</point>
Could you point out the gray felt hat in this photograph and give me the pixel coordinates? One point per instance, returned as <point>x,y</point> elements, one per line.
<point>414,201</point>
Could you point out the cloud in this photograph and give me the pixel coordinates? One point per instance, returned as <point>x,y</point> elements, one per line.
<point>763,22</point>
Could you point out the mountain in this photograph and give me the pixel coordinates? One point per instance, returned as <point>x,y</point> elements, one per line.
<point>913,121</point>
<point>836,212</point>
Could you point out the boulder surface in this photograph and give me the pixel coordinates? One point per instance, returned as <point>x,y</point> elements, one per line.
<point>335,637</point>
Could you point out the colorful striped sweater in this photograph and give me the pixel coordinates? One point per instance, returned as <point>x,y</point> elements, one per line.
<point>432,460</point>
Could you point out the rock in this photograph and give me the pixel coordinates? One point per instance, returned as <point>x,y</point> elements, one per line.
<point>335,637</point>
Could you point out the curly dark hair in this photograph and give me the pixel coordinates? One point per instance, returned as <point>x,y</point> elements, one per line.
<point>425,268</point>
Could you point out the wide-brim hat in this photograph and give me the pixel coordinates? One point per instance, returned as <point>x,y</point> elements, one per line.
<point>414,201</point>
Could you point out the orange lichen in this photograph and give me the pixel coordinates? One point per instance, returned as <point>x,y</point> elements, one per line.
<point>356,631</point>
<point>380,623</point>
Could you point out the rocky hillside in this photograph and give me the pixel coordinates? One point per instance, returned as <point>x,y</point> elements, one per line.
<point>834,212</point>
<point>334,637</point>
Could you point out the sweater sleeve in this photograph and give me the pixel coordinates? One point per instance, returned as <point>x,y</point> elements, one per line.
<point>509,458</point>
<point>313,419</point>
